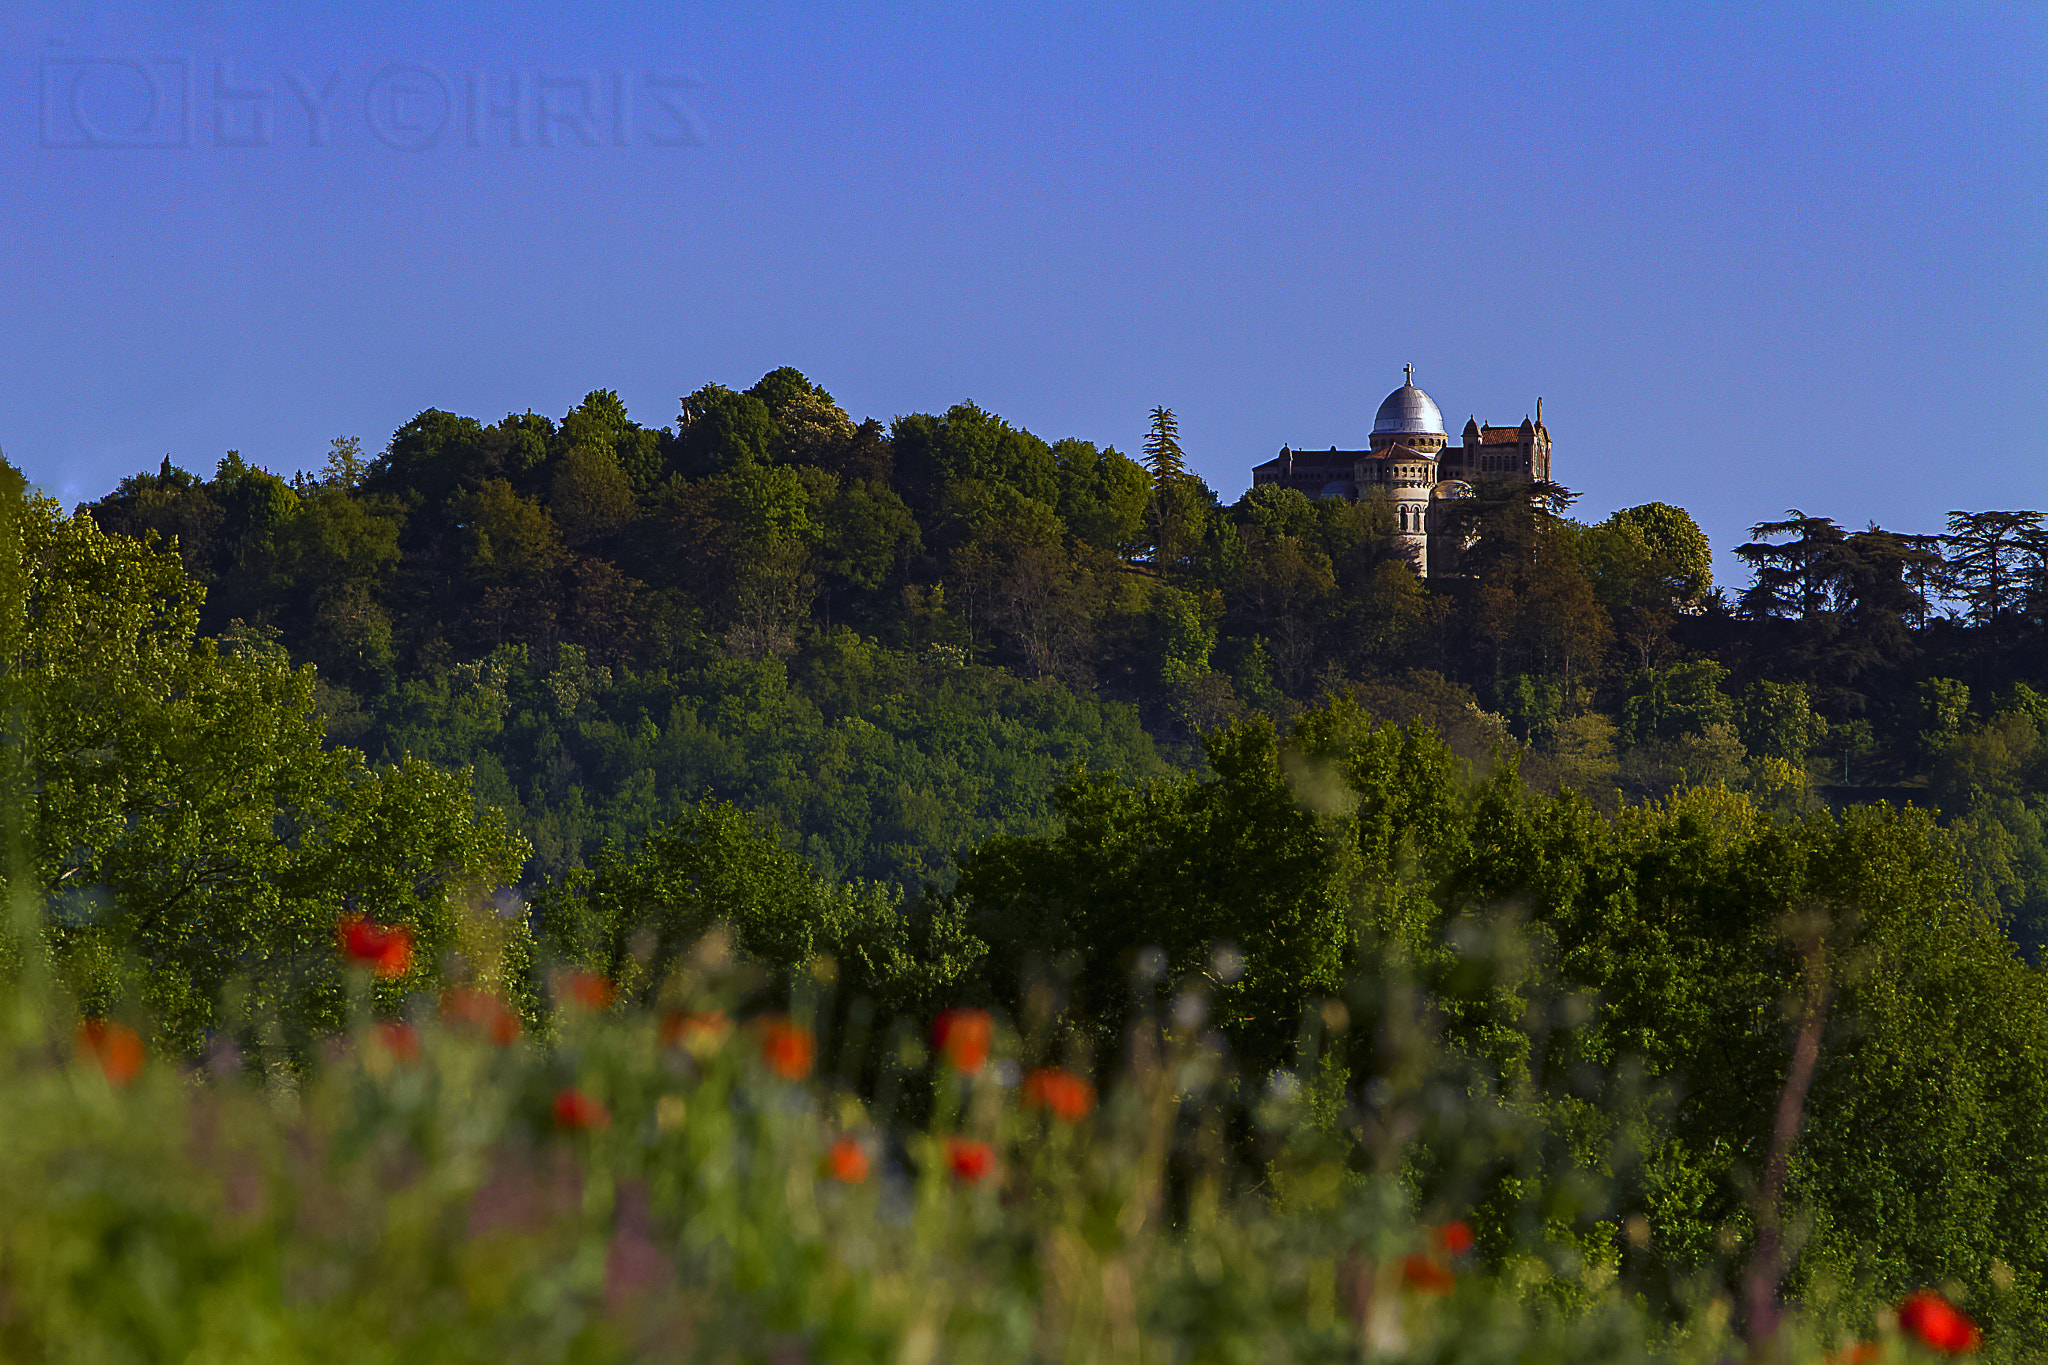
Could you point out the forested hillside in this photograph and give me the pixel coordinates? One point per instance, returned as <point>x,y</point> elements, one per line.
<point>1564,897</point>
<point>895,640</point>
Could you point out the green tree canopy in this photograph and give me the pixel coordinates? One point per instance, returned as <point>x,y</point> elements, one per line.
<point>719,429</point>
<point>178,805</point>
<point>430,456</point>
<point>1180,867</point>
<point>1674,543</point>
<point>934,453</point>
<point>591,498</point>
<point>600,422</point>
<point>1102,496</point>
<point>633,918</point>
<point>1670,703</point>
<point>1994,560</point>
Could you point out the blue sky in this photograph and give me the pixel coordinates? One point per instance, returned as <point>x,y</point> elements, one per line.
<point>1752,256</point>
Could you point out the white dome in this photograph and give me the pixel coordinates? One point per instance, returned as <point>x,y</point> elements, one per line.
<point>1408,411</point>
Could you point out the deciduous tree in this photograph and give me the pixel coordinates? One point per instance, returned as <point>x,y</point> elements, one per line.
<point>178,804</point>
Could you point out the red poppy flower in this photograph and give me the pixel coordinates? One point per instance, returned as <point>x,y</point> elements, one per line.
<point>1939,1323</point>
<point>1063,1094</point>
<point>116,1047</point>
<point>787,1048</point>
<point>399,1040</point>
<point>385,949</point>
<point>970,1161</point>
<point>847,1162</point>
<point>588,991</point>
<point>576,1110</point>
<point>702,1032</point>
<point>962,1037</point>
<point>1427,1275</point>
<point>1452,1239</point>
<point>481,1010</point>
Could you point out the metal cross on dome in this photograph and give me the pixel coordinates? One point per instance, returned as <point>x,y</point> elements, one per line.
<point>1409,370</point>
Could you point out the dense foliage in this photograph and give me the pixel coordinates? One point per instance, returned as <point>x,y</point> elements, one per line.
<point>894,641</point>
<point>1634,981</point>
<point>183,813</point>
<point>1666,937</point>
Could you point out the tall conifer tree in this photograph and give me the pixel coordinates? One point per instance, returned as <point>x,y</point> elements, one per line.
<point>1168,468</point>
<point>1162,450</point>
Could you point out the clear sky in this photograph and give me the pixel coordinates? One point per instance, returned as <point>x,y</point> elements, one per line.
<point>1752,256</point>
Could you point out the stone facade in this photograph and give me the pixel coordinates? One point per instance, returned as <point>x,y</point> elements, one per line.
<point>1409,461</point>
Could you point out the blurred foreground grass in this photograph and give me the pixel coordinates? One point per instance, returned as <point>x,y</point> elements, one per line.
<point>619,1183</point>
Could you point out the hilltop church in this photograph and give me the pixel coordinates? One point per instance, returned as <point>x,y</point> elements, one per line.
<point>1410,461</point>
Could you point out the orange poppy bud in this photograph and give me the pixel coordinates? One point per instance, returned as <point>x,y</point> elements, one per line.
<point>1061,1093</point>
<point>702,1032</point>
<point>970,1161</point>
<point>962,1037</point>
<point>787,1048</point>
<point>1426,1274</point>
<point>399,1040</point>
<point>1452,1239</point>
<point>588,991</point>
<point>847,1162</point>
<point>1939,1323</point>
<point>576,1110</point>
<point>116,1047</point>
<point>483,1011</point>
<point>385,949</point>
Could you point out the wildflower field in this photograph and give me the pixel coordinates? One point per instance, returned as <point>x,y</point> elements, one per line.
<point>674,1180</point>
